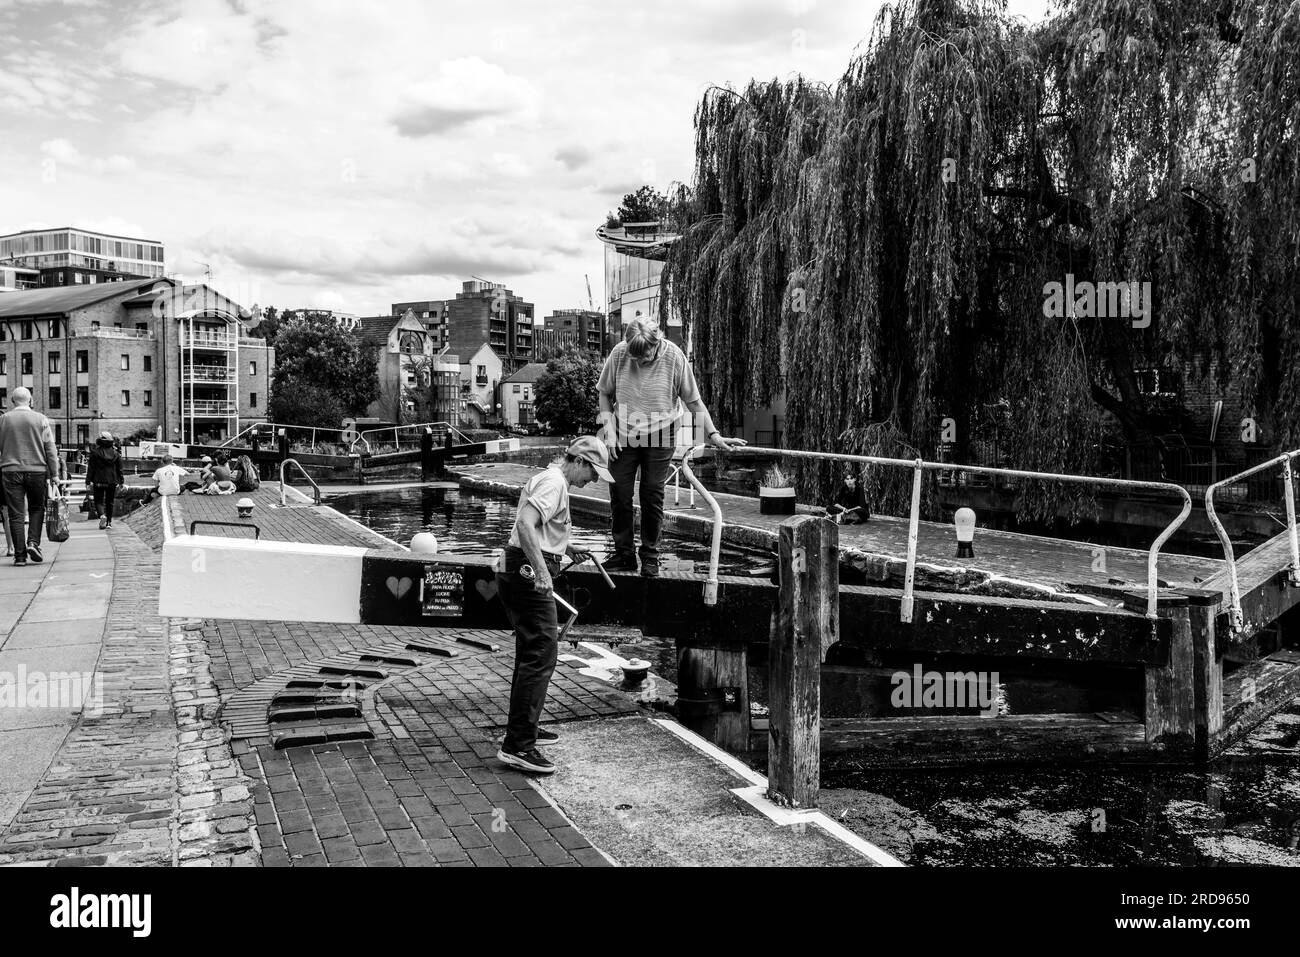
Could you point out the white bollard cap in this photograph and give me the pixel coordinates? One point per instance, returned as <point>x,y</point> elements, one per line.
<point>964,519</point>
<point>425,543</point>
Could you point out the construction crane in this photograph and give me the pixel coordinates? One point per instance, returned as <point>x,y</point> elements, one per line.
<point>591,303</point>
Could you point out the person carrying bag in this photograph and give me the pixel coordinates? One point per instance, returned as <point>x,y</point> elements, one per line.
<point>56,514</point>
<point>105,476</point>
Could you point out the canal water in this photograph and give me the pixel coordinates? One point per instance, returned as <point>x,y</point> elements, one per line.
<point>1244,809</point>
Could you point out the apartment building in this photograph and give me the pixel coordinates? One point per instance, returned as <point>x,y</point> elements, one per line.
<point>69,256</point>
<point>581,329</point>
<point>135,355</point>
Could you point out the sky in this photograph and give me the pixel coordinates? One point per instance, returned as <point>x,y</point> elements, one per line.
<point>349,155</point>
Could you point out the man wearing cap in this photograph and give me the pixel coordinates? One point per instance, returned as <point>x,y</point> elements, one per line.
<point>28,460</point>
<point>539,539</point>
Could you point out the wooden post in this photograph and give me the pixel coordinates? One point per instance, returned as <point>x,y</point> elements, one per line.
<point>1170,707</point>
<point>1207,667</point>
<point>426,454</point>
<point>808,623</point>
<point>716,682</point>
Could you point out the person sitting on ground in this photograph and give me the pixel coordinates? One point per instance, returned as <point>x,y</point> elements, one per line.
<point>220,480</point>
<point>850,505</point>
<point>167,479</point>
<point>104,474</point>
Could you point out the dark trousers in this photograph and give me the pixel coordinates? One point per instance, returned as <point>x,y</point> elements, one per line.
<point>537,631</point>
<point>653,461</point>
<point>25,499</point>
<point>105,495</point>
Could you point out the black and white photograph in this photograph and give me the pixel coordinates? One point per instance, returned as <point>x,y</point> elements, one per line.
<point>784,434</point>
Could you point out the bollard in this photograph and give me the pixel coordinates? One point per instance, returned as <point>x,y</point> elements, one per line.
<point>1207,668</point>
<point>1169,711</point>
<point>808,623</point>
<point>426,454</point>
<point>282,438</point>
<point>424,543</point>
<point>964,520</point>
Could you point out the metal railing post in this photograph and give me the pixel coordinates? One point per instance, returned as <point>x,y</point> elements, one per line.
<point>1293,574</point>
<point>913,531</point>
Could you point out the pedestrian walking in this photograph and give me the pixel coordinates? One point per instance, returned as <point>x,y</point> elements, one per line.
<point>644,389</point>
<point>539,539</point>
<point>29,460</point>
<point>104,475</point>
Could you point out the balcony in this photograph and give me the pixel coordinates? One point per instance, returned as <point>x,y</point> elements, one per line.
<point>199,373</point>
<point>204,340</point>
<point>217,408</point>
<point>114,333</point>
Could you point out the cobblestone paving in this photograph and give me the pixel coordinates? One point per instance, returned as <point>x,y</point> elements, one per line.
<point>129,784</point>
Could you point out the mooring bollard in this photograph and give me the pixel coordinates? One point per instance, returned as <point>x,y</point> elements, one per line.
<point>1207,667</point>
<point>426,454</point>
<point>1169,711</point>
<point>808,623</point>
<point>964,521</point>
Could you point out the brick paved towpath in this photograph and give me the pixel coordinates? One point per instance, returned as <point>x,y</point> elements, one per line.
<point>184,760</point>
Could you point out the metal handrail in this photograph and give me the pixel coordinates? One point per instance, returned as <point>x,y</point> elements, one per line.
<point>361,436</point>
<point>298,465</point>
<point>919,466</point>
<point>1235,616</point>
<point>277,426</point>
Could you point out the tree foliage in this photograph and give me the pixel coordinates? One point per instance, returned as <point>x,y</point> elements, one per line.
<point>566,393</point>
<point>646,205</point>
<point>890,239</point>
<point>321,374</point>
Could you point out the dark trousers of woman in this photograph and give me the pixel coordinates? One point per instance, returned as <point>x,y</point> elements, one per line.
<point>105,495</point>
<point>652,457</point>
<point>537,632</point>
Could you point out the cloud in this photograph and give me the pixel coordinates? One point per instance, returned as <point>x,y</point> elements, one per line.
<point>465,91</point>
<point>63,154</point>
<point>573,157</point>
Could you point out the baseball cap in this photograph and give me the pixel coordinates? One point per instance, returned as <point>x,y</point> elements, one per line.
<point>106,435</point>
<point>207,459</point>
<point>592,451</point>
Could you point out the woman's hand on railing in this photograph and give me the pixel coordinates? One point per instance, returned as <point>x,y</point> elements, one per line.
<point>718,441</point>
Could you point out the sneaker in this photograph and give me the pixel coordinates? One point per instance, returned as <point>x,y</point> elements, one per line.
<point>103,521</point>
<point>650,568</point>
<point>546,737</point>
<point>34,553</point>
<point>530,760</point>
<point>20,560</point>
<point>619,563</point>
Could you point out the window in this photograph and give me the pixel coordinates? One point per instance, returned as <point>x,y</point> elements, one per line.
<point>126,362</point>
<point>58,434</point>
<point>56,328</point>
<point>4,363</point>
<point>4,398</point>
<point>55,364</point>
<point>126,396</point>
<point>76,278</point>
<point>83,435</point>
<point>27,329</point>
<point>56,397</point>
<point>83,397</point>
<point>4,332</point>
<point>252,368</point>
<point>252,400</point>
<point>148,397</point>
<point>148,363</point>
<point>514,389</point>
<point>83,360</point>
<point>94,323</point>
<point>27,363</point>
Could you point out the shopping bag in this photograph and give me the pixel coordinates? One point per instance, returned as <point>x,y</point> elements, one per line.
<point>56,515</point>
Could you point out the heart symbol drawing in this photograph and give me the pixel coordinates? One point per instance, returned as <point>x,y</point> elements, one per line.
<point>399,587</point>
<point>488,589</point>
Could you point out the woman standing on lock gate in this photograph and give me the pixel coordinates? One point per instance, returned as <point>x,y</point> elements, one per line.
<point>539,539</point>
<point>104,475</point>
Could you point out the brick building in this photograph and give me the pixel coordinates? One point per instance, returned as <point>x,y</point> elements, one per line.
<point>134,355</point>
<point>581,329</point>
<point>481,313</point>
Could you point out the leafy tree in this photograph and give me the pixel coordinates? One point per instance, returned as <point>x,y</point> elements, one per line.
<point>566,393</point>
<point>646,205</point>
<point>321,374</point>
<point>892,238</point>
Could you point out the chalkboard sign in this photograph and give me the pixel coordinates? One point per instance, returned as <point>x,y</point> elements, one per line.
<point>442,591</point>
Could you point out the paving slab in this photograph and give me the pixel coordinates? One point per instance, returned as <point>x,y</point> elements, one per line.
<point>649,799</point>
<point>65,609</point>
<point>46,634</point>
<point>18,583</point>
<point>27,754</point>
<point>64,658</point>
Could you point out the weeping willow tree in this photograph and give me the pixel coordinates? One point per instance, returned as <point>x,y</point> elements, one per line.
<point>879,251</point>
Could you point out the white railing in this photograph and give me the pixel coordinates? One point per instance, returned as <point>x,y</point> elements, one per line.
<point>208,374</point>
<point>272,430</point>
<point>920,467</point>
<point>379,436</point>
<point>115,333</point>
<point>1235,616</point>
<point>206,341</point>
<point>209,407</point>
